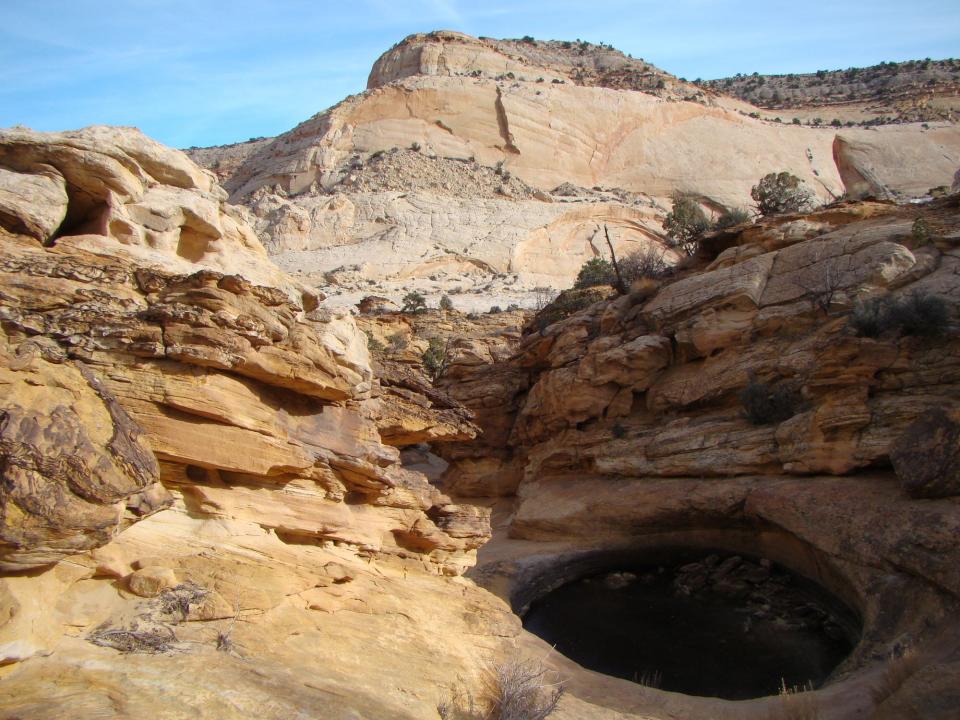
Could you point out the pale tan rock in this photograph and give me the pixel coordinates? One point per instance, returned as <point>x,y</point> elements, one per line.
<point>35,204</point>
<point>871,162</point>
<point>151,580</point>
<point>128,195</point>
<point>632,364</point>
<point>740,287</point>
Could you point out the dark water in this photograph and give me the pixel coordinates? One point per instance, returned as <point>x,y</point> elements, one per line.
<point>737,638</point>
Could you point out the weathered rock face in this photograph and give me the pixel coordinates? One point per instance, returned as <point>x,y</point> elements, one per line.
<point>464,168</point>
<point>72,461</point>
<point>127,194</point>
<point>626,430</point>
<point>666,370</point>
<point>236,435</point>
<point>927,456</point>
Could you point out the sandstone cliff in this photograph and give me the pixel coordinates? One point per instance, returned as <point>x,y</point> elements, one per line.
<point>198,475</point>
<point>554,116</point>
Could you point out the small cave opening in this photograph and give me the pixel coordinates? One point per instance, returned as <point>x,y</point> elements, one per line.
<point>699,622</point>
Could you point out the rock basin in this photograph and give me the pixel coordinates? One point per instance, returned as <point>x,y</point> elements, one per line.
<point>716,625</point>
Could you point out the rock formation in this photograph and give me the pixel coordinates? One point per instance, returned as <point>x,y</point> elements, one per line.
<point>632,424</point>
<point>484,152</point>
<point>222,497</point>
<point>217,446</point>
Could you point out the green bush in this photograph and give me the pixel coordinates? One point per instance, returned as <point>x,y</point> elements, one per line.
<point>731,217</point>
<point>594,272</point>
<point>685,222</point>
<point>373,345</point>
<point>435,357</point>
<point>916,313</point>
<point>446,303</point>
<point>414,302</point>
<point>779,193</point>
<point>920,232</point>
<point>765,403</point>
<point>647,263</point>
<point>564,305</point>
<point>398,342</point>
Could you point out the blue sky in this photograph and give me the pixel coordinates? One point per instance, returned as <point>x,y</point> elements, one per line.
<point>202,72</point>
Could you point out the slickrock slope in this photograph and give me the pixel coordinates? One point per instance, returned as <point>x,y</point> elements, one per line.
<point>492,145</point>
<point>622,427</point>
<point>201,511</point>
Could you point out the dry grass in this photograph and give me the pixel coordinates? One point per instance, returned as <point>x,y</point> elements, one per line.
<point>151,631</point>
<point>795,703</point>
<point>153,641</point>
<point>898,671</point>
<point>649,678</point>
<point>177,600</point>
<point>510,690</point>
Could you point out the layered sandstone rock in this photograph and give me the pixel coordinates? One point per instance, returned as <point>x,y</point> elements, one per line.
<point>625,430</point>
<point>215,460</point>
<point>666,370</point>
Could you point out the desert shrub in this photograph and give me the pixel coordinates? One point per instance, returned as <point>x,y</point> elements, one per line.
<point>920,232</point>
<point>779,193</point>
<point>446,303</point>
<point>521,690</point>
<point>374,346</point>
<point>731,217</point>
<point>398,342</point>
<point>594,272</point>
<point>511,690</point>
<point>128,640</point>
<point>900,669</point>
<point>435,357</point>
<point>919,313</point>
<point>566,304</point>
<point>871,317</point>
<point>495,309</point>
<point>618,431</point>
<point>765,403</point>
<point>542,296</point>
<point>414,302</point>
<point>916,313</point>
<point>647,263</point>
<point>685,222</point>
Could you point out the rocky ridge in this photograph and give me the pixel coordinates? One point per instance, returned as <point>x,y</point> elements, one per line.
<point>913,91</point>
<point>498,127</point>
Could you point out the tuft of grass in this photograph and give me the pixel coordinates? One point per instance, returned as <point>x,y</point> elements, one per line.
<point>514,689</point>
<point>795,703</point>
<point>649,678</point>
<point>898,671</point>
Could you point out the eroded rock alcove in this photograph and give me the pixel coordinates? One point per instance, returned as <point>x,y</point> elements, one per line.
<point>695,621</point>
